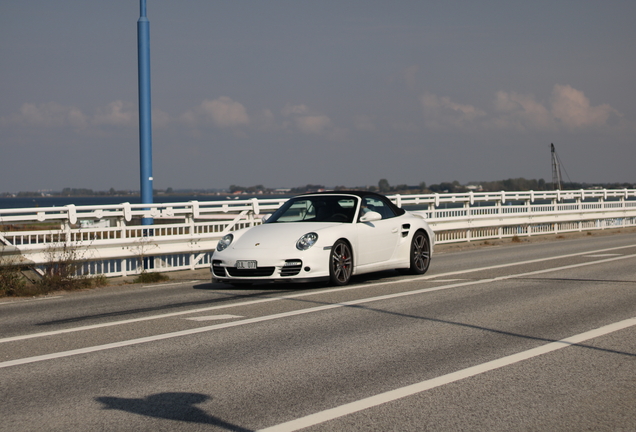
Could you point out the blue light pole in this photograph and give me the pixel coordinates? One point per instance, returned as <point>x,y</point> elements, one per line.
<point>145,113</point>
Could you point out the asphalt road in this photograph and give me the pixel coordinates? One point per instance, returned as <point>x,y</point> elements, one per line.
<point>517,337</point>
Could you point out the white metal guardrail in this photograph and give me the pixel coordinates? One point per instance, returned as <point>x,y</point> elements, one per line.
<point>109,239</point>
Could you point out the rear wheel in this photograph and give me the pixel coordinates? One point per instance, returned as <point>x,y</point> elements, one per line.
<point>340,263</point>
<point>420,253</point>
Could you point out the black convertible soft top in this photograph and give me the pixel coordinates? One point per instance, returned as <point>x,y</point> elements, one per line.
<point>362,194</point>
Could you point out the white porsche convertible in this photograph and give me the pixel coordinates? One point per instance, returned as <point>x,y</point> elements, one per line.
<point>325,236</point>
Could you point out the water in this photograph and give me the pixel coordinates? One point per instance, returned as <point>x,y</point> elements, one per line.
<point>60,201</point>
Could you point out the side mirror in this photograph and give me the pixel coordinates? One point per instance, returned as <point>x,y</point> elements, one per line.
<point>265,217</point>
<point>371,217</point>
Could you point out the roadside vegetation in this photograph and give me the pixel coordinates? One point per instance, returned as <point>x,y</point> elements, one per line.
<point>22,281</point>
<point>150,278</point>
<point>19,281</point>
<point>64,268</point>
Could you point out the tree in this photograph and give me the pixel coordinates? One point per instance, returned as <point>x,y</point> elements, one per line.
<point>383,186</point>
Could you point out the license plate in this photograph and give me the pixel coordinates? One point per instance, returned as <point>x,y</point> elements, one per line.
<point>246,264</point>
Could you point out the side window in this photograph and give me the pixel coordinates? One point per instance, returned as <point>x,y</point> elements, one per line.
<point>379,206</point>
<point>298,211</point>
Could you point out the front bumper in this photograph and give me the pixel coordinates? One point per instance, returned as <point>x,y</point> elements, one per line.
<point>305,266</point>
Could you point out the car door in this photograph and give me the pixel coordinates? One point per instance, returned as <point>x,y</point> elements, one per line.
<point>377,240</point>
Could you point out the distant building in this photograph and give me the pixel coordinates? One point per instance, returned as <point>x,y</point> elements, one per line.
<point>474,188</point>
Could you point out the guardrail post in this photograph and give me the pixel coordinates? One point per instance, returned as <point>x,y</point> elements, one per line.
<point>601,200</point>
<point>67,233</point>
<point>121,224</point>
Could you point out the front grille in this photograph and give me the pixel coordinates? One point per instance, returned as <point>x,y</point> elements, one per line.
<point>291,268</point>
<point>217,269</point>
<point>257,272</point>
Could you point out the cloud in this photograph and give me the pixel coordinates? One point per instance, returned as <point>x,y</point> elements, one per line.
<point>55,115</point>
<point>521,112</point>
<point>307,121</point>
<point>48,115</point>
<point>116,113</point>
<point>223,112</point>
<point>265,121</point>
<point>573,109</point>
<point>289,110</point>
<point>568,108</point>
<point>52,119</point>
<point>441,112</point>
<point>313,124</point>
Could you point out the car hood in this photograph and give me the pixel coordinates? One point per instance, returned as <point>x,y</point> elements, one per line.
<point>276,235</point>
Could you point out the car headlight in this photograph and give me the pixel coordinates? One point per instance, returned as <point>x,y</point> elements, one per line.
<point>306,241</point>
<point>224,242</point>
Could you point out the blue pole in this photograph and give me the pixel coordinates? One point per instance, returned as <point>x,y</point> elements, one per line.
<point>145,114</point>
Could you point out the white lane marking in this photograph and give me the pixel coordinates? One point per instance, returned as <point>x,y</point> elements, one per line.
<point>293,296</point>
<point>214,317</point>
<point>285,315</point>
<point>523,262</point>
<point>601,255</point>
<point>382,398</point>
<point>11,302</point>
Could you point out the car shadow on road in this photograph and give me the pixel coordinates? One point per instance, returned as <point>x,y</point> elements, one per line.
<point>169,406</point>
<point>278,286</point>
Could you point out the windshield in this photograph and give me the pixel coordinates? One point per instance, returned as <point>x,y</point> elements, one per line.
<point>319,208</point>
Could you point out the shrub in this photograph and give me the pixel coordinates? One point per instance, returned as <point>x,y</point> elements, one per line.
<point>150,278</point>
<point>11,280</point>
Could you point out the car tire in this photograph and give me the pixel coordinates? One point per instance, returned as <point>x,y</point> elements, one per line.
<point>340,263</point>
<point>420,253</point>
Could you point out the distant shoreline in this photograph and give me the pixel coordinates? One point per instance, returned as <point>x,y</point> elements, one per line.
<point>60,201</point>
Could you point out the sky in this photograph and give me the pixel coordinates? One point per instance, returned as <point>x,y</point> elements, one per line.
<point>285,93</point>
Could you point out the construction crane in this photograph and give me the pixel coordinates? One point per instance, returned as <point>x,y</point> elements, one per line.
<point>556,170</point>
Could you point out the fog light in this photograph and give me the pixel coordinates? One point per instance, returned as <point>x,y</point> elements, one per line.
<point>307,269</point>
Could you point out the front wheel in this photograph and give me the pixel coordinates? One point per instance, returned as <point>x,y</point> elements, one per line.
<point>420,253</point>
<point>340,263</point>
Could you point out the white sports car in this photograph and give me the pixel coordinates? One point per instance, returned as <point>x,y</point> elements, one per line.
<point>325,236</point>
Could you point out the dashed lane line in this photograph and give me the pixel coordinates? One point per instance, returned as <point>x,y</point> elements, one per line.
<point>214,317</point>
<point>293,296</point>
<point>187,332</point>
